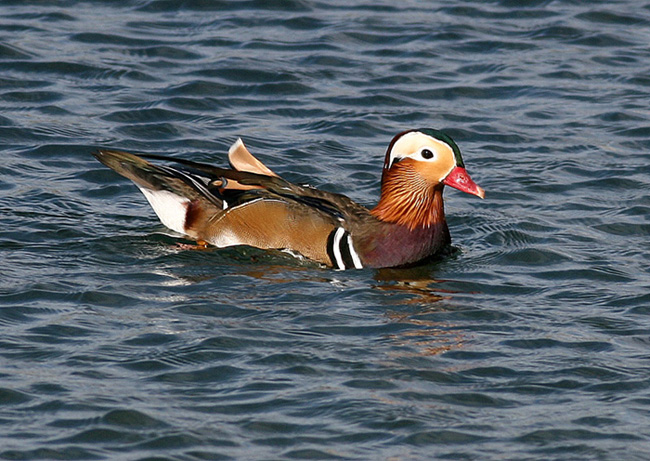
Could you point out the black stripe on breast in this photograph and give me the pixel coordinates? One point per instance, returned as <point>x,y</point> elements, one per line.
<point>345,250</point>
<point>330,249</point>
<point>338,249</point>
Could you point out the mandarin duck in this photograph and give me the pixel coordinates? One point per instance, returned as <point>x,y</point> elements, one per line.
<point>248,204</point>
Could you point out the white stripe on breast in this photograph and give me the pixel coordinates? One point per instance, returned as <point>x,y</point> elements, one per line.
<point>336,247</point>
<point>353,253</point>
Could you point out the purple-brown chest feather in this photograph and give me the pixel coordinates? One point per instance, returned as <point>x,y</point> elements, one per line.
<point>398,245</point>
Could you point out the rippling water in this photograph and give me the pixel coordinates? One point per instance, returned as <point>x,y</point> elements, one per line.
<point>531,341</point>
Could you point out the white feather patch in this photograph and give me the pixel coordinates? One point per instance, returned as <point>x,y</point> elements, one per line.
<point>170,208</point>
<point>353,254</point>
<point>226,238</point>
<point>336,248</point>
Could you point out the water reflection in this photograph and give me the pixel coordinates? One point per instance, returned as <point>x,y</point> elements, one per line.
<point>421,333</point>
<point>425,337</point>
<point>413,299</point>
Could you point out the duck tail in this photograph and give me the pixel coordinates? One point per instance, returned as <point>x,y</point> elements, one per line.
<point>172,192</point>
<point>143,173</point>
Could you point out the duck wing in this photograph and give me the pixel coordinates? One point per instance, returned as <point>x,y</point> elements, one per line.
<point>227,207</point>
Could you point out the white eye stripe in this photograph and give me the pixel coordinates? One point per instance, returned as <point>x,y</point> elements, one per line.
<point>426,154</point>
<point>414,145</point>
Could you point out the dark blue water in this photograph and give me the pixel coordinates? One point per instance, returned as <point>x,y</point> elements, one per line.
<point>531,342</point>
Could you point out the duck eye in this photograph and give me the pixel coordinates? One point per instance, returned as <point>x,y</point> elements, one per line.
<point>426,153</point>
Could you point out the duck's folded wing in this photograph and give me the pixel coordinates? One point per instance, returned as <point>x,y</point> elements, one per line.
<point>227,207</point>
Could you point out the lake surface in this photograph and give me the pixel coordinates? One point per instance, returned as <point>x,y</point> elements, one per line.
<point>532,341</point>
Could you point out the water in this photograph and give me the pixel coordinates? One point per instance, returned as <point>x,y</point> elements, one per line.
<point>531,342</point>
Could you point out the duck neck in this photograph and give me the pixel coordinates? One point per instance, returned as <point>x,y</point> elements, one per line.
<point>418,206</point>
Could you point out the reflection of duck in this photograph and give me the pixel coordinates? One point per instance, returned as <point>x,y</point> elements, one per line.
<point>422,336</point>
<point>419,331</point>
<point>417,310</point>
<point>251,205</point>
<point>414,282</point>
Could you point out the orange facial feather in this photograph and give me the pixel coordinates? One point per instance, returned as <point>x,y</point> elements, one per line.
<point>408,198</point>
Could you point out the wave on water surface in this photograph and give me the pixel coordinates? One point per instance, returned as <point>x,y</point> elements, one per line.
<point>528,341</point>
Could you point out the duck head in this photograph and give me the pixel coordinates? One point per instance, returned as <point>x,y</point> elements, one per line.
<point>418,164</point>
